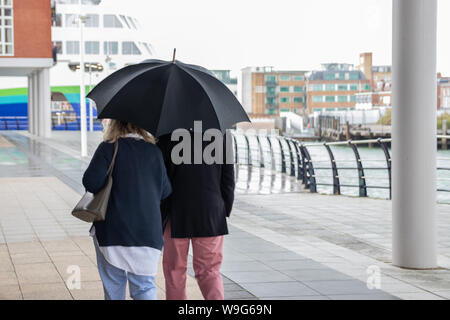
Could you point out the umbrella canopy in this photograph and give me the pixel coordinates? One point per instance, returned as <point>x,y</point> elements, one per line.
<point>161,96</point>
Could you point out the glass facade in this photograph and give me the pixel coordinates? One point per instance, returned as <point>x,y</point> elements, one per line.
<point>284,77</point>
<point>299,78</point>
<point>129,47</point>
<point>329,98</point>
<point>285,99</point>
<point>317,87</point>
<point>353,87</point>
<point>284,89</point>
<point>298,89</point>
<point>342,99</point>
<point>329,87</point>
<point>342,87</point>
<point>298,99</point>
<point>317,98</point>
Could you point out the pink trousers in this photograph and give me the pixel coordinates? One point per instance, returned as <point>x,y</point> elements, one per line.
<point>207,258</point>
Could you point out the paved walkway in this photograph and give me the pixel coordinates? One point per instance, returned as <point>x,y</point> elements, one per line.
<point>284,243</point>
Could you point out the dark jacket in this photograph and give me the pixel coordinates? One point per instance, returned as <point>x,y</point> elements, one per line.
<point>140,183</point>
<point>202,196</point>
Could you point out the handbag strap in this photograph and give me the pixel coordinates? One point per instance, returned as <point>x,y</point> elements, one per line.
<point>111,166</point>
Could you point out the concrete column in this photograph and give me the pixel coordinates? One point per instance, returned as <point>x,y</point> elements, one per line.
<point>414,133</point>
<point>35,103</point>
<point>30,105</point>
<point>45,125</point>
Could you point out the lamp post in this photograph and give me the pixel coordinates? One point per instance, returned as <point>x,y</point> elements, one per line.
<point>83,125</point>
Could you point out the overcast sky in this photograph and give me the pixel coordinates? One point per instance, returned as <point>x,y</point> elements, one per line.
<point>286,34</point>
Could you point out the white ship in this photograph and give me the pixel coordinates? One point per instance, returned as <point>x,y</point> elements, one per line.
<point>112,39</point>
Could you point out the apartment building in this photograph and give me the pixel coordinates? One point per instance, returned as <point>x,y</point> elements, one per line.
<point>267,92</point>
<point>334,87</point>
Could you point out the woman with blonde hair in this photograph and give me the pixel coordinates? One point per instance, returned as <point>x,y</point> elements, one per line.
<point>129,241</point>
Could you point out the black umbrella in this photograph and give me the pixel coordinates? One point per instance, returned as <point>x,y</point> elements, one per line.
<point>161,96</point>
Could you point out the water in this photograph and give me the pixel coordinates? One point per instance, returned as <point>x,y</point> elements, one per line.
<point>373,160</point>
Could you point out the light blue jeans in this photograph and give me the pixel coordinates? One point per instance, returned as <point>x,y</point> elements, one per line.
<point>115,282</point>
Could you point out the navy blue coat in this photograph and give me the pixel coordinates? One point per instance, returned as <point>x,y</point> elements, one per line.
<point>202,196</point>
<point>140,183</point>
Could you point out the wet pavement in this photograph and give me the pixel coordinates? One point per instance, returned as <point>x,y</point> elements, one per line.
<point>283,243</point>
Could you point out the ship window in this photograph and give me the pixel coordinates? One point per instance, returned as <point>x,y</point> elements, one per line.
<point>110,47</point>
<point>73,47</point>
<point>6,28</point>
<point>147,47</point>
<point>132,22</point>
<point>129,47</point>
<point>125,20</point>
<point>71,20</point>
<point>91,21</point>
<point>57,22</point>
<point>111,21</point>
<point>58,46</point>
<point>92,47</point>
<point>68,1</point>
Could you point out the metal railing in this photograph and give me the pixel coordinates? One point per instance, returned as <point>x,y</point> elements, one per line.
<point>66,124</point>
<point>292,157</point>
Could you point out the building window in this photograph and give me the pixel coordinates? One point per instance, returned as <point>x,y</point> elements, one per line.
<point>366,86</point>
<point>73,47</point>
<point>342,87</point>
<point>317,98</point>
<point>111,21</point>
<point>284,77</point>
<point>353,98</point>
<point>270,90</point>
<point>91,21</point>
<point>92,47</point>
<point>342,99</point>
<point>284,89</point>
<point>299,78</point>
<point>270,101</point>
<point>298,89</point>
<point>6,29</point>
<point>271,78</point>
<point>57,22</point>
<point>353,87</point>
<point>329,76</point>
<point>354,76</point>
<point>71,20</point>
<point>285,100</point>
<point>329,99</point>
<point>131,22</point>
<point>129,47</point>
<point>58,45</point>
<point>110,47</point>
<point>317,87</point>
<point>329,87</point>
<point>298,99</point>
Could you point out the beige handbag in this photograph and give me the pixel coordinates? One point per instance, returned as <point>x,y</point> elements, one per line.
<point>92,207</point>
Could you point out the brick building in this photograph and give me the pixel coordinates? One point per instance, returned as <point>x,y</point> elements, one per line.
<point>266,91</point>
<point>26,51</point>
<point>334,87</point>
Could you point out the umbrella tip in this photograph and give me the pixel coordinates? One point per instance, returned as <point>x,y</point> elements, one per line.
<point>174,52</point>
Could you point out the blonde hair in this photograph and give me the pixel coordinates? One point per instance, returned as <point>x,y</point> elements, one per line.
<point>116,129</point>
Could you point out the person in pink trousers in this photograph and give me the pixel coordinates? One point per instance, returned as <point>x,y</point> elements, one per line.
<point>195,213</point>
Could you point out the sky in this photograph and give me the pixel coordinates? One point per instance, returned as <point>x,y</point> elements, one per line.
<point>285,34</point>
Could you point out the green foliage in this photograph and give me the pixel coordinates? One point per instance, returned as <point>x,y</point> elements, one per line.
<point>386,118</point>
<point>444,116</point>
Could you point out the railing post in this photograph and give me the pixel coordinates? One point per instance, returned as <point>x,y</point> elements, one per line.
<point>310,169</point>
<point>17,124</point>
<point>249,156</point>
<point>6,124</point>
<point>272,156</point>
<point>388,163</point>
<point>291,156</point>
<point>361,177</point>
<point>236,158</point>
<point>283,160</point>
<point>334,170</point>
<point>299,161</point>
<point>261,155</point>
